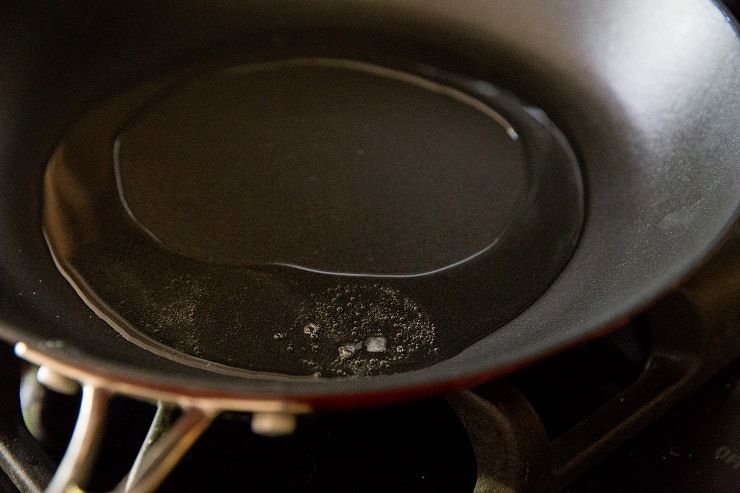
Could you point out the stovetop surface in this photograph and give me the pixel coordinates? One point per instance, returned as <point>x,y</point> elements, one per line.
<point>695,447</point>
<point>423,447</point>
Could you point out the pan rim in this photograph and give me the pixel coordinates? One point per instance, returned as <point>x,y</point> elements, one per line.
<point>394,386</point>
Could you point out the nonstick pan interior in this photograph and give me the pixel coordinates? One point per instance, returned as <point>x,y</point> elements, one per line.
<point>312,217</point>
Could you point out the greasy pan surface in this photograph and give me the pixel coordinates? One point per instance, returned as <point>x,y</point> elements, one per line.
<point>645,94</point>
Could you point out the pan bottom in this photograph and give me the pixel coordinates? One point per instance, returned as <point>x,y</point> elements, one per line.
<point>312,217</point>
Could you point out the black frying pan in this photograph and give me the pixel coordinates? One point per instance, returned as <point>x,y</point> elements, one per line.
<point>589,161</point>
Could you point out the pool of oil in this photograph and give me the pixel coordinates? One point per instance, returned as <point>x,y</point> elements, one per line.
<point>311,217</point>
